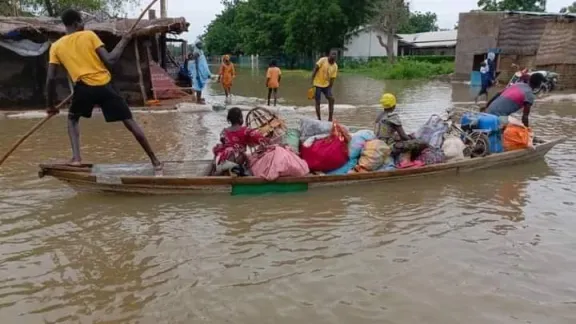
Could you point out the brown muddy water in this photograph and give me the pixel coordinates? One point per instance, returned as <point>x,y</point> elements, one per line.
<point>492,246</point>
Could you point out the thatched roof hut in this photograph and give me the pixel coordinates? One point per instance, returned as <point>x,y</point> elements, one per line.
<point>535,40</point>
<point>23,53</point>
<point>31,27</point>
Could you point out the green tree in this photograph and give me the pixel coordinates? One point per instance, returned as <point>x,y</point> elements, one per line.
<point>274,27</point>
<point>222,35</point>
<point>389,16</point>
<point>420,22</point>
<point>315,26</point>
<point>570,9</point>
<point>261,24</point>
<point>514,5</point>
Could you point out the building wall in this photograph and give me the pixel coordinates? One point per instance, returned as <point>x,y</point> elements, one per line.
<point>365,45</point>
<point>22,81</point>
<point>477,32</point>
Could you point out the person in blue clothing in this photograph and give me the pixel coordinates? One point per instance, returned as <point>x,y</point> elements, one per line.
<point>199,71</point>
<point>488,75</point>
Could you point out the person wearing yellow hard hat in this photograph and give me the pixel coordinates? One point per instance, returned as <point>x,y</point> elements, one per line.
<point>388,128</point>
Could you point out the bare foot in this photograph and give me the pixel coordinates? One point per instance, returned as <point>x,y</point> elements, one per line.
<point>74,163</point>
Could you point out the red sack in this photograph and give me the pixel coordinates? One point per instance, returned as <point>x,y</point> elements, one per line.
<point>325,154</point>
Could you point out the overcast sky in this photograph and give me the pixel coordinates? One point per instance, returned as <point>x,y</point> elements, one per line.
<point>199,13</point>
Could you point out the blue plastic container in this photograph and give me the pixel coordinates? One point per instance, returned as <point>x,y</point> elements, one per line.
<point>475,79</point>
<point>468,119</point>
<point>491,124</point>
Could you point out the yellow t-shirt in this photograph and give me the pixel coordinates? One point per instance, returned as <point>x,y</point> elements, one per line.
<point>326,71</point>
<point>77,53</point>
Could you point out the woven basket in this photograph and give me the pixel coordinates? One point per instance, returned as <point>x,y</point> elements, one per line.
<point>267,123</point>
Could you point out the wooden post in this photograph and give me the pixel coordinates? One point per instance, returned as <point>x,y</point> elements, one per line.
<point>158,39</point>
<point>149,56</point>
<point>151,14</point>
<point>139,69</point>
<point>163,9</point>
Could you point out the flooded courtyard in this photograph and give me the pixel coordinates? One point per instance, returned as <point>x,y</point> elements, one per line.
<point>493,246</point>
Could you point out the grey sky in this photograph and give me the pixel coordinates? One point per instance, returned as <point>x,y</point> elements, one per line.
<point>199,13</point>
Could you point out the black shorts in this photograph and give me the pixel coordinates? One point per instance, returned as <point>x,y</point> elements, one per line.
<point>114,108</point>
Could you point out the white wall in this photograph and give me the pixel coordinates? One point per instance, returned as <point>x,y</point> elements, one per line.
<point>365,44</point>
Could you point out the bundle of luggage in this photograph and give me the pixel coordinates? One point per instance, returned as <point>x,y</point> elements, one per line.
<point>504,133</point>
<point>322,147</point>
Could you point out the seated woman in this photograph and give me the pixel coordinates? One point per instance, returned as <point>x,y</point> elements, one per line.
<point>230,154</point>
<point>388,128</point>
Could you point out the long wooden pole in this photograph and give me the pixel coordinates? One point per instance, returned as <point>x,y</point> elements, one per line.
<point>140,76</point>
<point>63,102</point>
<point>32,130</point>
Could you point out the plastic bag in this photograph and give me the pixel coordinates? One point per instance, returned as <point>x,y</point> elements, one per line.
<point>517,138</point>
<point>310,140</point>
<point>373,156</point>
<point>292,139</point>
<point>453,148</point>
<point>278,162</point>
<point>326,154</point>
<point>357,142</point>
<point>345,169</point>
<point>311,93</point>
<point>432,155</point>
<point>432,132</point>
<point>311,127</point>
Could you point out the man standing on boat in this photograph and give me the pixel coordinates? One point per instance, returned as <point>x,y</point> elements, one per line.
<point>323,77</point>
<point>88,64</point>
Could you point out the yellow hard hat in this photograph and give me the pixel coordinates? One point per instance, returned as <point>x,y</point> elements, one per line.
<point>388,101</point>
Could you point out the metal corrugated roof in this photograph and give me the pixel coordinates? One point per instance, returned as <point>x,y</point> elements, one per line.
<point>434,44</point>
<point>420,39</point>
<point>533,13</point>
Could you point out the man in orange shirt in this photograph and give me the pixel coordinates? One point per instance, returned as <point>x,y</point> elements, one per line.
<point>88,64</point>
<point>273,76</point>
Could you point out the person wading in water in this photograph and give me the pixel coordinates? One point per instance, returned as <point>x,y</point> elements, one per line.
<point>88,64</point>
<point>323,77</point>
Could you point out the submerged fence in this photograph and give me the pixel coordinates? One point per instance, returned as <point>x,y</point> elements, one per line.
<point>257,61</point>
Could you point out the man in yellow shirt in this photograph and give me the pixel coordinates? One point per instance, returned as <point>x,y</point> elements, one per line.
<point>88,64</point>
<point>323,77</point>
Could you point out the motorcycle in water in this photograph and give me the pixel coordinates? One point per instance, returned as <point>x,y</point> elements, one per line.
<point>549,84</point>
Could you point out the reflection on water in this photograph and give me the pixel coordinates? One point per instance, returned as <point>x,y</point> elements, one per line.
<point>492,246</point>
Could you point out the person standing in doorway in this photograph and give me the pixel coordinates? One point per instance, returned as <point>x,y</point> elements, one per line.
<point>88,63</point>
<point>273,76</point>
<point>323,78</point>
<point>488,75</point>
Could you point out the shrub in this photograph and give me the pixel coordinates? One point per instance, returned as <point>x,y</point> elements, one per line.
<point>405,68</point>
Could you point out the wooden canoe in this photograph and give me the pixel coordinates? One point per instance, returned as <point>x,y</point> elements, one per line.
<point>183,177</point>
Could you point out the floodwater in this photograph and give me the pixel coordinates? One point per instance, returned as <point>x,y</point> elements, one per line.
<point>492,246</point>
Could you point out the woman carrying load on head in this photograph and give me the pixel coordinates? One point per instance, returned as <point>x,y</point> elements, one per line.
<point>388,128</point>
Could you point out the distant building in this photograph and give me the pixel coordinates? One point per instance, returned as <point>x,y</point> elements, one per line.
<point>542,41</point>
<point>366,42</point>
<point>24,44</point>
<point>430,43</point>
